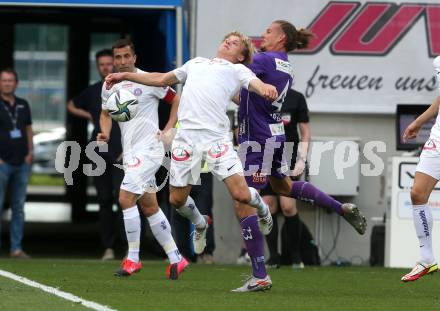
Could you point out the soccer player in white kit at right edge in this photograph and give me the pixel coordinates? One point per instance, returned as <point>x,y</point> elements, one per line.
<point>426,177</point>
<point>143,154</point>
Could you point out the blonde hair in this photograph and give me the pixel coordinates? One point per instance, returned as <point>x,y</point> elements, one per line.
<point>248,47</point>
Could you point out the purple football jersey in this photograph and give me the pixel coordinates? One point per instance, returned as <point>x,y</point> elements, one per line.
<point>259,118</point>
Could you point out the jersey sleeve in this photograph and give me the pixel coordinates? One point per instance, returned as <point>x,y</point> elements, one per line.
<point>80,100</point>
<point>245,75</point>
<point>28,120</point>
<point>167,94</point>
<point>182,72</point>
<point>302,112</point>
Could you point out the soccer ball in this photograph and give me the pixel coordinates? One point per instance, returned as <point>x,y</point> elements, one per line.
<point>122,105</point>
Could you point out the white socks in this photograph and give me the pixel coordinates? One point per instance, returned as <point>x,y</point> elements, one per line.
<point>132,224</point>
<point>257,202</point>
<point>422,217</point>
<point>162,232</point>
<point>190,211</point>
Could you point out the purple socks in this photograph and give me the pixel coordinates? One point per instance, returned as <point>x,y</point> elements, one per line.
<point>253,239</point>
<point>305,191</point>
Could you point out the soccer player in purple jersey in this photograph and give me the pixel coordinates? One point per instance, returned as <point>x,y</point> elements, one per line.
<point>261,128</point>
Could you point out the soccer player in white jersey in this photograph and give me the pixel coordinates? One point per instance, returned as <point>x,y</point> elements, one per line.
<point>427,176</point>
<point>142,157</point>
<point>203,135</point>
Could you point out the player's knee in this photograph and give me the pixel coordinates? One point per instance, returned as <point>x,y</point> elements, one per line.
<point>418,196</point>
<point>176,200</point>
<point>149,209</point>
<point>124,202</point>
<point>289,211</point>
<point>271,203</point>
<point>127,199</point>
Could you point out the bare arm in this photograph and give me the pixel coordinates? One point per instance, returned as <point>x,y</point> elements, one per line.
<point>236,99</point>
<point>300,164</point>
<point>235,132</point>
<point>146,78</point>
<point>105,122</point>
<point>304,130</point>
<point>173,114</point>
<point>265,90</point>
<point>430,113</point>
<point>413,129</point>
<point>167,134</point>
<point>30,139</point>
<point>81,113</point>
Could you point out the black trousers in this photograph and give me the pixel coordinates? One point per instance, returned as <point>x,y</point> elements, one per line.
<point>107,188</point>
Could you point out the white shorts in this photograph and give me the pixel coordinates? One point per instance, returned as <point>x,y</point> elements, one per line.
<point>190,151</point>
<point>140,168</point>
<point>429,162</point>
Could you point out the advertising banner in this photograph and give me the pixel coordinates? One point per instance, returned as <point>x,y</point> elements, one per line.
<point>367,56</point>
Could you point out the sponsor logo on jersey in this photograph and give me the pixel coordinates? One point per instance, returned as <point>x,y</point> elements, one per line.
<point>277,129</point>
<point>283,66</point>
<point>286,118</point>
<point>137,92</point>
<point>276,116</point>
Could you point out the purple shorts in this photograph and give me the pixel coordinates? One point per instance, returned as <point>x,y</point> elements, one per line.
<point>258,165</point>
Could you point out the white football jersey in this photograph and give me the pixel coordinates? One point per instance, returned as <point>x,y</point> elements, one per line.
<point>140,131</point>
<point>210,84</point>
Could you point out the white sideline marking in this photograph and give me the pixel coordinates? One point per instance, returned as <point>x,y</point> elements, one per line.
<point>56,292</point>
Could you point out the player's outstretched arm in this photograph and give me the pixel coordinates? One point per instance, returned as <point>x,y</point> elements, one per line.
<point>413,129</point>
<point>168,132</point>
<point>146,78</point>
<point>267,91</point>
<point>105,122</point>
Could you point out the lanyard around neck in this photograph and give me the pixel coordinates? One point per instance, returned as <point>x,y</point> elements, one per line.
<point>13,117</point>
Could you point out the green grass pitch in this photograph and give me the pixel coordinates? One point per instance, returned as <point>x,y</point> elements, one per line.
<point>204,287</point>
